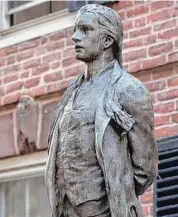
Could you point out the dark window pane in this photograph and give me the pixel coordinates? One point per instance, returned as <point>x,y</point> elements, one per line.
<point>31,13</point>
<point>13,4</point>
<point>58,6</point>
<point>75,5</point>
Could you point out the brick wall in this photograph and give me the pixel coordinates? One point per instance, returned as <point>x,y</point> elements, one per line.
<point>43,67</point>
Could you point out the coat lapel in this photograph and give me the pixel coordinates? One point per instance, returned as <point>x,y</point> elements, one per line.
<point>53,146</point>
<point>102,119</point>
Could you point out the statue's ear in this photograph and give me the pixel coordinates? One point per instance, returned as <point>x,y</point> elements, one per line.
<point>108,42</point>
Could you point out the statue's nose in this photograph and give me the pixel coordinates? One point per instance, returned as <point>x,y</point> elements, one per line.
<point>77,36</point>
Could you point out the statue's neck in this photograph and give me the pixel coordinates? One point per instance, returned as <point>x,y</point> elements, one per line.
<point>97,65</point>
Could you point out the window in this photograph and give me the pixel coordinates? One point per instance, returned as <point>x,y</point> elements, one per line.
<point>24,198</point>
<point>23,192</point>
<point>16,12</point>
<point>22,11</point>
<point>166,192</point>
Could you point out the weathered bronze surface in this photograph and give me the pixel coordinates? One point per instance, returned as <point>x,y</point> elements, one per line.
<point>102,151</point>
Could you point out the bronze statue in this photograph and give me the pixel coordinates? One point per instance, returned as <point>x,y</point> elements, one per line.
<point>102,151</point>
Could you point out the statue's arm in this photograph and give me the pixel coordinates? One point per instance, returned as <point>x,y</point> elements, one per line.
<point>141,142</point>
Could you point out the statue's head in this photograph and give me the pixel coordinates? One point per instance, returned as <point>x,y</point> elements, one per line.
<point>97,28</point>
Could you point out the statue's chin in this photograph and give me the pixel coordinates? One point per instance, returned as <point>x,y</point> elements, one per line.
<point>83,58</point>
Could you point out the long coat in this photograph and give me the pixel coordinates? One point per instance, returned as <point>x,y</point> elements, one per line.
<point>130,166</point>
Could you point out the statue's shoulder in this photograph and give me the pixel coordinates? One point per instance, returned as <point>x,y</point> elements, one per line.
<point>130,88</point>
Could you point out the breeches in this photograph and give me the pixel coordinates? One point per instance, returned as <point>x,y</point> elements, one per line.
<point>93,208</point>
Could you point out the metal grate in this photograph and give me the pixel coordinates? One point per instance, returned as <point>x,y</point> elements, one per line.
<point>167,181</point>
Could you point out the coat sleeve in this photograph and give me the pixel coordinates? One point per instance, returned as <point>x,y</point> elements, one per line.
<point>141,142</point>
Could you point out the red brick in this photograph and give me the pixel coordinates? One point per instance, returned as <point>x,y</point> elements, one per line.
<point>122,15</point>
<point>10,78</point>
<point>57,36</point>
<point>162,120</point>
<point>154,97</point>
<point>175,12</point>
<point>74,71</point>
<point>164,108</point>
<point>165,25</point>
<point>149,39</point>
<point>44,40</point>
<point>69,52</point>
<point>69,61</point>
<point>1,91</point>
<point>143,76</point>
<point>155,86</point>
<point>32,64</point>
<point>170,94</point>
<point>146,198</point>
<point>177,105</point>
<point>160,48</point>
<point>145,211</point>
<point>127,25</point>
<point>140,32</point>
<point>37,91</point>
<point>2,62</point>
<point>176,43</point>
<point>173,57</point>
<point>134,67</point>
<point>134,55</point>
<point>138,11</point>
<point>175,118</point>
<point>69,32</point>
<point>168,34</point>
<point>123,5</point>
<point>12,69</point>
<point>70,42</point>
<point>3,52</point>
<point>1,101</point>
<point>14,86</point>
<point>140,22</point>
<point>126,35</point>
<point>7,136</point>
<point>11,49</point>
<point>28,44</point>
<point>151,63</point>
<point>51,57</point>
<point>11,98</point>
<point>25,55</point>
<point>163,71</point>
<point>138,2</point>
<point>31,82</point>
<point>40,69</point>
<point>166,131</point>
<point>55,65</point>
<point>62,85</point>
<point>161,4</point>
<point>133,43</point>
<point>151,209</point>
<point>158,16</point>
<point>50,47</point>
<point>11,60</point>
<point>173,82</point>
<point>53,77</point>
<point>24,74</point>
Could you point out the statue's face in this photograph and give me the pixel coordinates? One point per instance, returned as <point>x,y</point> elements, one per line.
<point>87,37</point>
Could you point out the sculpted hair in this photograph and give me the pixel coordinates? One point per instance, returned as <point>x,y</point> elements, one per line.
<point>111,23</point>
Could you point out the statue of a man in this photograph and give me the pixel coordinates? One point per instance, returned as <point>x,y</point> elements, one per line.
<point>102,151</point>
